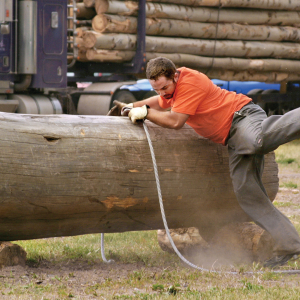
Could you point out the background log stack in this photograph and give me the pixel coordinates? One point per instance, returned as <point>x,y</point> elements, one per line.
<point>226,39</point>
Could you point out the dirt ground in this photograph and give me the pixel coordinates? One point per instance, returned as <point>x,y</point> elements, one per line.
<point>79,280</point>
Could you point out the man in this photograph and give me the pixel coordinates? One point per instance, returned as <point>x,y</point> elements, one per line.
<point>229,119</point>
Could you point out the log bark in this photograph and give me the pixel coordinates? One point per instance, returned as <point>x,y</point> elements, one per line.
<point>237,242</point>
<point>68,175</point>
<point>229,63</point>
<point>109,55</point>
<point>200,14</point>
<point>168,27</point>
<point>12,255</point>
<point>89,3</point>
<point>118,41</point>
<point>274,4</point>
<point>200,62</point>
<point>270,77</point>
<point>84,12</point>
<point>81,30</point>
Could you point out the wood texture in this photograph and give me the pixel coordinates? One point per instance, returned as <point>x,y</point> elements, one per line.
<point>265,4</point>
<point>168,27</point>
<point>68,175</point>
<point>202,47</point>
<point>200,14</point>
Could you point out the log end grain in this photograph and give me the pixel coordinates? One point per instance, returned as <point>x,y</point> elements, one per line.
<point>99,23</point>
<point>89,39</point>
<point>12,255</point>
<point>235,243</point>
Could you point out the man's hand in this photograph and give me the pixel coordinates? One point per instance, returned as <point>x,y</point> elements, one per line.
<point>138,113</point>
<point>117,109</point>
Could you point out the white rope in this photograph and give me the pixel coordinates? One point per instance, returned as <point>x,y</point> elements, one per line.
<point>102,251</point>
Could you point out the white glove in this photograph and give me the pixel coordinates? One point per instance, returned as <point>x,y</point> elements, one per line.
<point>138,113</point>
<point>117,109</point>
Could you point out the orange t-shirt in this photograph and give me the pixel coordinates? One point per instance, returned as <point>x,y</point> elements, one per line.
<point>210,108</point>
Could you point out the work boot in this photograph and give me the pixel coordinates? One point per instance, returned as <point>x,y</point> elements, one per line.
<point>280,260</point>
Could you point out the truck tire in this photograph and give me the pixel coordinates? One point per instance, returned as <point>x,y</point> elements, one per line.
<point>271,91</point>
<point>122,96</point>
<point>272,108</point>
<point>255,92</point>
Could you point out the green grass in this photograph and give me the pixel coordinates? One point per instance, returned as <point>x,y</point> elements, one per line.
<point>288,155</point>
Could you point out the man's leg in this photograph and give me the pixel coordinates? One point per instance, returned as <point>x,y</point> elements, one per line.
<point>246,173</point>
<point>278,130</point>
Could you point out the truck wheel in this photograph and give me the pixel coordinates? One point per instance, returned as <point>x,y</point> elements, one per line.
<point>265,92</point>
<point>255,92</point>
<point>272,108</point>
<point>122,96</point>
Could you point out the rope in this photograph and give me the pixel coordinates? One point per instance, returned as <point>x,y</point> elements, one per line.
<point>167,228</point>
<point>102,251</point>
<point>290,272</point>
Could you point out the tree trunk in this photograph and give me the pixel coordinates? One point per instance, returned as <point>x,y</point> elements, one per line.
<point>274,4</point>
<point>81,30</point>
<point>109,55</point>
<point>93,39</point>
<point>68,175</point>
<point>199,14</point>
<point>168,27</point>
<point>270,77</point>
<point>200,62</point>
<point>119,41</point>
<point>229,63</point>
<point>89,3</point>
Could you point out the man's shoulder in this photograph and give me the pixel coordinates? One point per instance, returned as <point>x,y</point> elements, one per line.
<point>193,78</point>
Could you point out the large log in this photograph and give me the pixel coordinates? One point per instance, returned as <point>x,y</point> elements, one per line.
<point>105,23</point>
<point>265,4</point>
<point>118,41</point>
<point>229,75</point>
<point>198,62</point>
<point>199,14</point>
<point>230,63</point>
<point>68,175</point>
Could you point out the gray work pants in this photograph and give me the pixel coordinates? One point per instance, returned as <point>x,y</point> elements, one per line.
<point>252,135</point>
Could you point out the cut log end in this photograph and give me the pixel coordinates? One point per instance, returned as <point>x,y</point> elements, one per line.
<point>99,23</point>
<point>101,6</point>
<point>237,242</point>
<point>12,255</point>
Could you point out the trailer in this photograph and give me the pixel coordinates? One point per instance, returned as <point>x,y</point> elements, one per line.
<point>44,52</point>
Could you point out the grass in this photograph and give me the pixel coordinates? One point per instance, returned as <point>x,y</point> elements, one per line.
<point>150,272</point>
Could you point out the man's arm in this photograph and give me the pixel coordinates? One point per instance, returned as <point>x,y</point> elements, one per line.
<point>152,102</point>
<point>167,119</point>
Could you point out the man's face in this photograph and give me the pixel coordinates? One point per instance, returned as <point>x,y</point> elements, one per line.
<point>165,87</point>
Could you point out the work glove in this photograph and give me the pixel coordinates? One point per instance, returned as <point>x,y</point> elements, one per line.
<point>138,113</point>
<point>117,109</point>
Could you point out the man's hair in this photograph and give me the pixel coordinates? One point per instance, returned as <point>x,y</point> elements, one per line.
<point>160,66</point>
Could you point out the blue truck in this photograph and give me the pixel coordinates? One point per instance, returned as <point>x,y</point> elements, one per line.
<point>40,69</point>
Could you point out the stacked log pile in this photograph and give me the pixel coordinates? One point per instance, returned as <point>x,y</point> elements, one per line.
<point>232,39</point>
